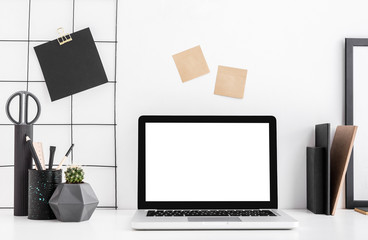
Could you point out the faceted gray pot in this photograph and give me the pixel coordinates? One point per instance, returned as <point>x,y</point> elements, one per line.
<point>73,202</point>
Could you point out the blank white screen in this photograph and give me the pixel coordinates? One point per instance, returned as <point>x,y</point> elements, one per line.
<point>207,162</point>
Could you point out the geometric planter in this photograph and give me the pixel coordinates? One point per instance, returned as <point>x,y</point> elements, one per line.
<point>73,202</point>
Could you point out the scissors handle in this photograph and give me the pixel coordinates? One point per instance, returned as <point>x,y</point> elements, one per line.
<point>23,108</point>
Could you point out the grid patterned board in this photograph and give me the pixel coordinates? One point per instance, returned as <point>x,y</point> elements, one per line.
<point>87,119</point>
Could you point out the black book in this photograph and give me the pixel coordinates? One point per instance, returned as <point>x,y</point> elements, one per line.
<point>318,171</point>
<point>316,180</point>
<point>71,64</point>
<point>322,136</point>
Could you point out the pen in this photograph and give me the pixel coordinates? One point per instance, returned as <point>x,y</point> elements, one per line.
<point>52,154</point>
<point>65,157</point>
<point>34,154</point>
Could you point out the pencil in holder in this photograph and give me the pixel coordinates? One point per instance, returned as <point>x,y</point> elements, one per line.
<point>42,185</point>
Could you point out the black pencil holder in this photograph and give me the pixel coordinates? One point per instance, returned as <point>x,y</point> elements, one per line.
<point>41,186</point>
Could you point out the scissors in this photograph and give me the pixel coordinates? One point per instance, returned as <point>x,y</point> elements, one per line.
<point>23,107</point>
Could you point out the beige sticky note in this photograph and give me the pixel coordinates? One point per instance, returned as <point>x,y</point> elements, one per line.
<point>191,63</point>
<point>230,82</point>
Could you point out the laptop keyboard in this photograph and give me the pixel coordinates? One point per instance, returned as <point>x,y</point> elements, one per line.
<point>201,213</point>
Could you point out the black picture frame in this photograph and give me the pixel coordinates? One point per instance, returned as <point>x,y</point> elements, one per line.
<point>143,204</point>
<point>350,43</point>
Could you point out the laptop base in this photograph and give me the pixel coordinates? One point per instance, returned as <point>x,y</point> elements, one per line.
<point>281,221</point>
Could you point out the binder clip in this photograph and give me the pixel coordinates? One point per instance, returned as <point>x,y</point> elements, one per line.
<point>64,38</point>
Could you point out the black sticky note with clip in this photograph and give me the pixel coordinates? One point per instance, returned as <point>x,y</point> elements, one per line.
<point>71,64</point>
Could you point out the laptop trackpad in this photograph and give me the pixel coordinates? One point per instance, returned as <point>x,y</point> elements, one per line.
<point>214,219</point>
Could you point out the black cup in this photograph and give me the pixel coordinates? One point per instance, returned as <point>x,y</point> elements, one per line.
<point>41,186</point>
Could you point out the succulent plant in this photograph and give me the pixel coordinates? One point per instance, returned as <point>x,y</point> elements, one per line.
<point>74,174</point>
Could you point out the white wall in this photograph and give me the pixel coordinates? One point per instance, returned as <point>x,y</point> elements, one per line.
<point>294,53</point>
<point>293,50</point>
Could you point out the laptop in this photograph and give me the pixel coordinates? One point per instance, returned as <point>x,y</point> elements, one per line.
<point>208,172</point>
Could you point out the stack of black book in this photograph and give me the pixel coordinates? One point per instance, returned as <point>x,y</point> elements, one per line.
<point>318,171</point>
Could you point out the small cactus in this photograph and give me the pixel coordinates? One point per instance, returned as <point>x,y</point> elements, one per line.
<point>74,174</point>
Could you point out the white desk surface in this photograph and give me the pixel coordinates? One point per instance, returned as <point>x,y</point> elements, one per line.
<point>115,224</point>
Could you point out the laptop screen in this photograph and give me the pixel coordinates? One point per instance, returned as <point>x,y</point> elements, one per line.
<point>207,160</point>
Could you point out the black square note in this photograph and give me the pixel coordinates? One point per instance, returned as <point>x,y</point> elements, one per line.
<point>72,67</point>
